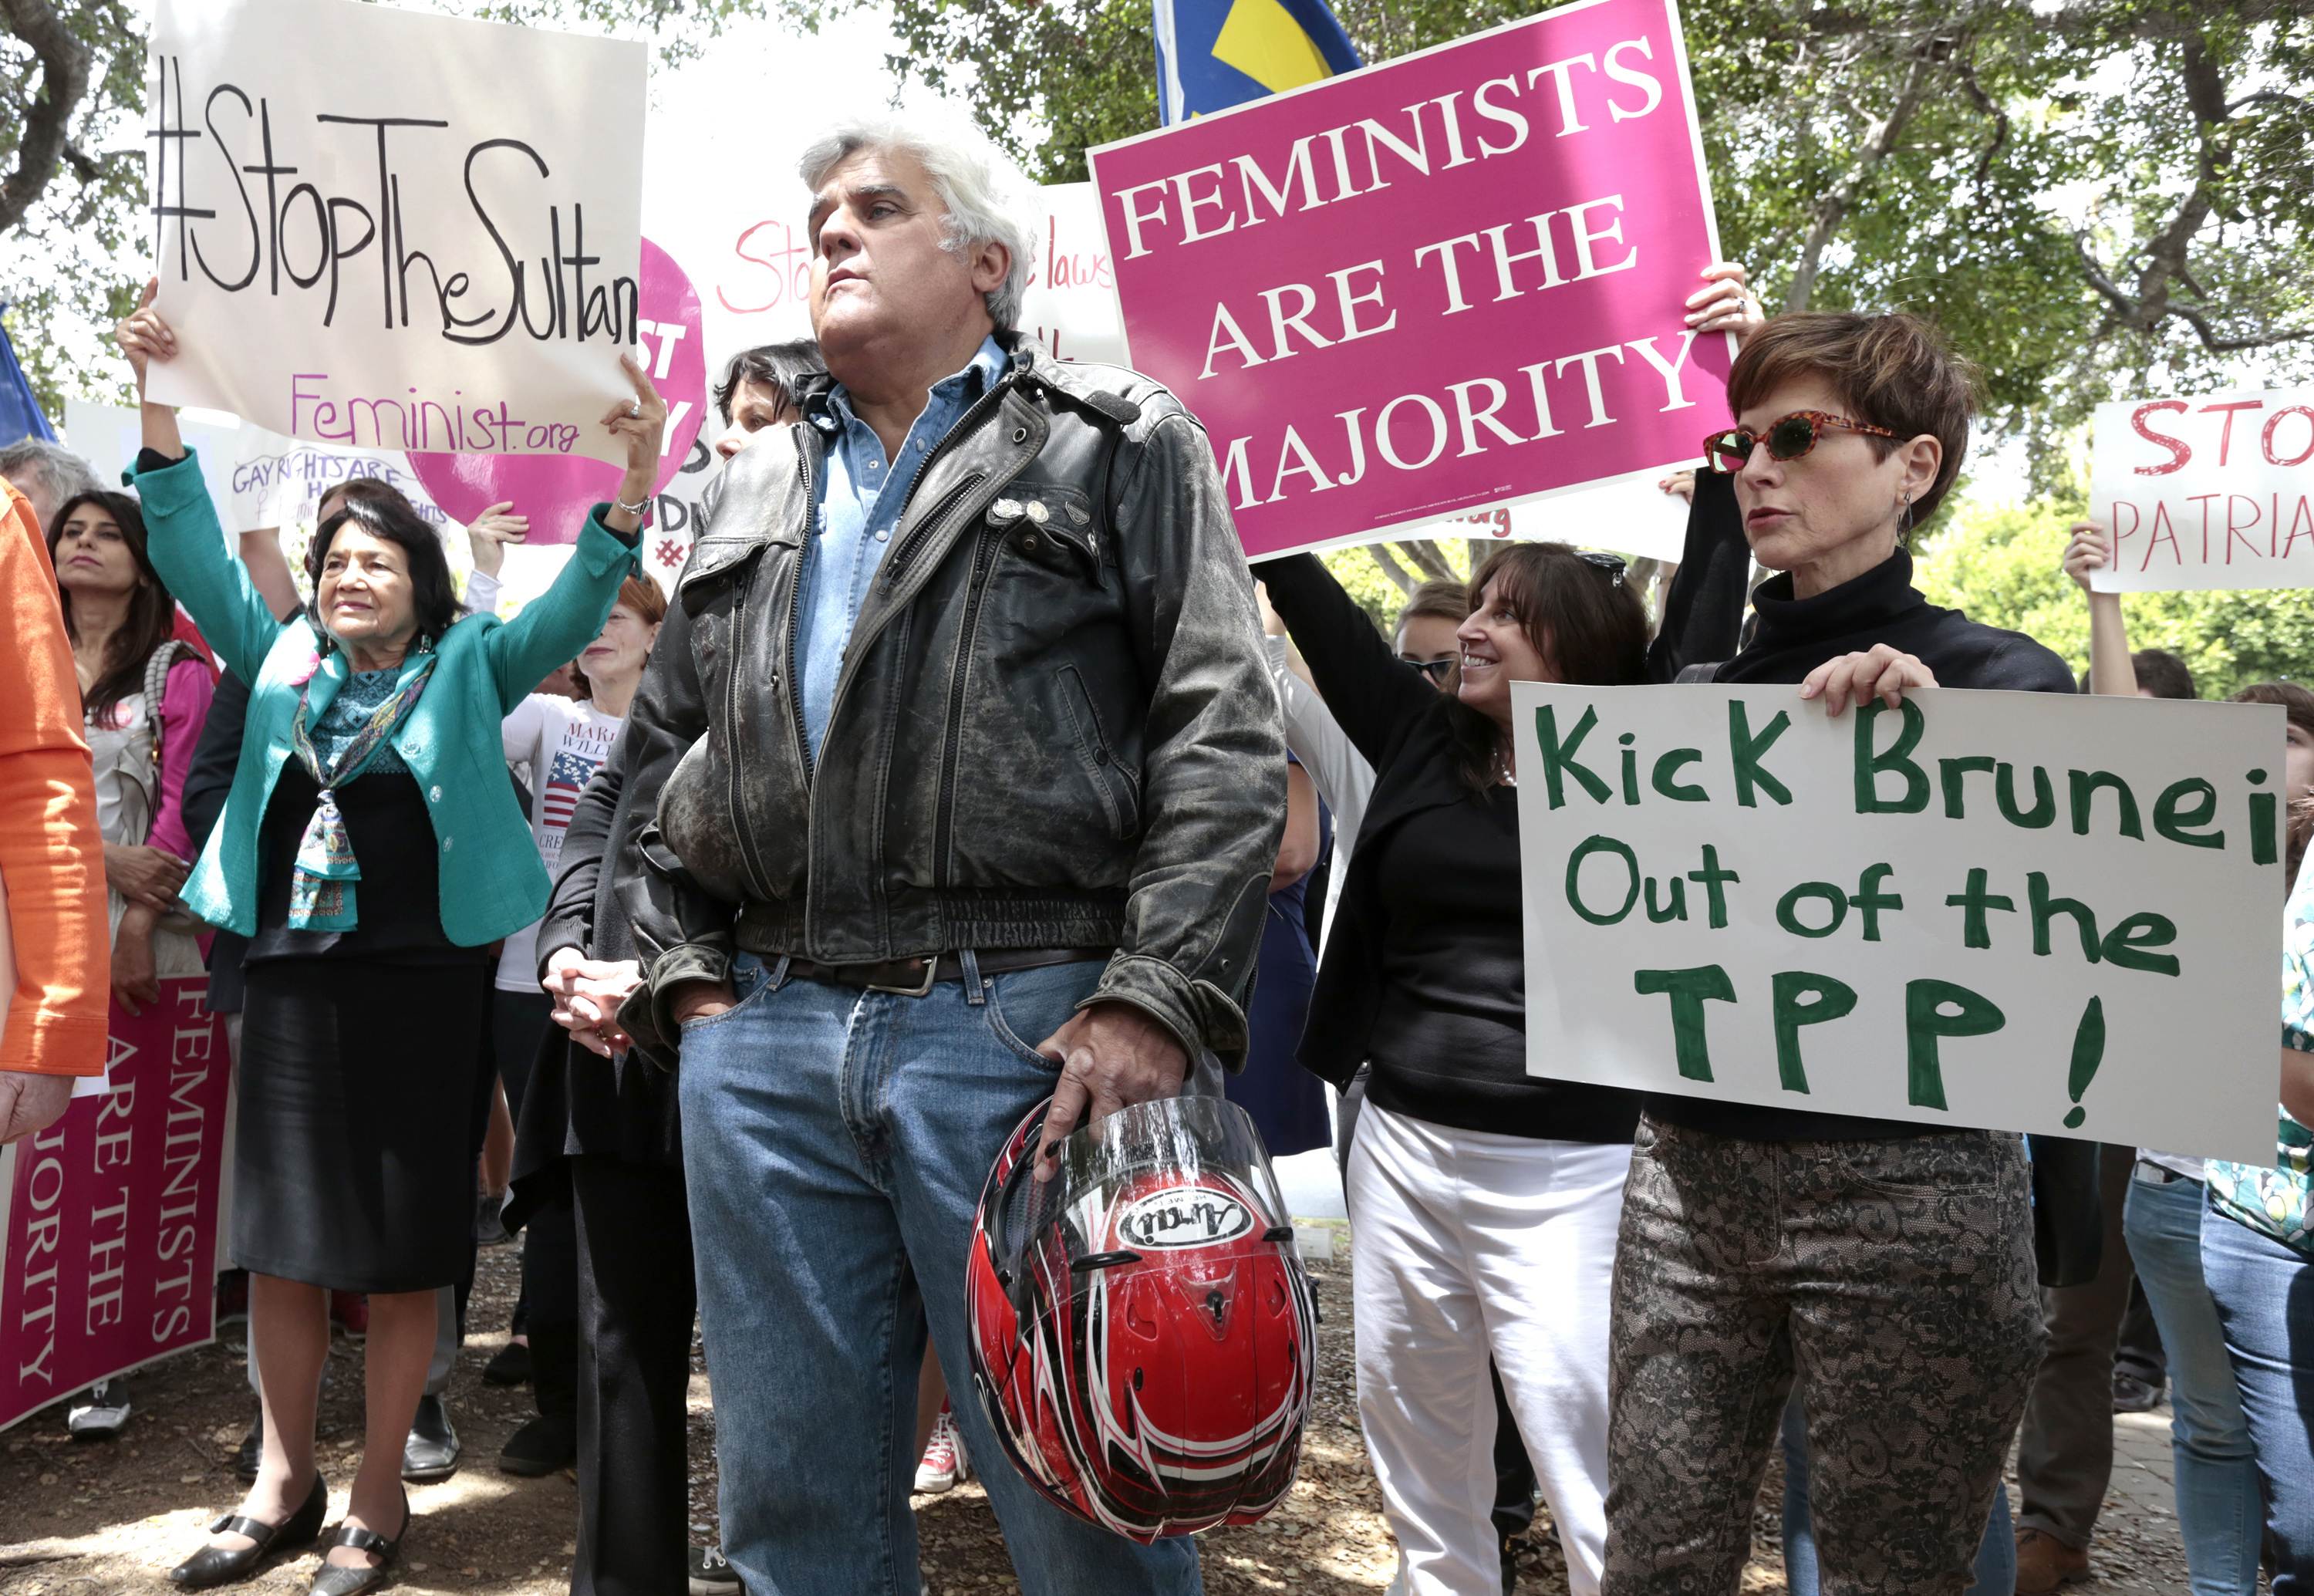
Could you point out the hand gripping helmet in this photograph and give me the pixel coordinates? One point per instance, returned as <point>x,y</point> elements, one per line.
<point>1142,1333</point>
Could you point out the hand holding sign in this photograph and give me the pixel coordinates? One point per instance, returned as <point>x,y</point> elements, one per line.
<point>641,424</point>
<point>144,336</point>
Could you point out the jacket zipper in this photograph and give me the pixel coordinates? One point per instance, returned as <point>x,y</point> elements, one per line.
<point>740,828</point>
<point>944,822</point>
<point>795,592</point>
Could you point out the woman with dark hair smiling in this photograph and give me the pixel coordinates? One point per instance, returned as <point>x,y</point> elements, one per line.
<point>1485,1198</point>
<point>1892,1266</point>
<point>371,849</point>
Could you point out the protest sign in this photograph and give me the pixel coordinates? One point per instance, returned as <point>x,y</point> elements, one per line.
<point>108,1218</point>
<point>557,491</point>
<point>746,247</point>
<point>108,435</point>
<point>2214,491</point>
<point>1450,281</point>
<point>364,238</point>
<point>1930,915</point>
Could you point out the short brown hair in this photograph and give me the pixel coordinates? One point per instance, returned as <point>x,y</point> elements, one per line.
<point>1440,598</point>
<point>647,600</point>
<point>2297,703</point>
<point>1894,371</point>
<point>2162,674</point>
<point>1579,613</point>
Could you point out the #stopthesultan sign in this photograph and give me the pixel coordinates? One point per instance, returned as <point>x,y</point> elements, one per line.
<point>1416,290</point>
<point>387,230</point>
<point>2011,910</point>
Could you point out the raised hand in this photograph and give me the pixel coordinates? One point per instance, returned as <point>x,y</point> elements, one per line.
<point>1725,303</point>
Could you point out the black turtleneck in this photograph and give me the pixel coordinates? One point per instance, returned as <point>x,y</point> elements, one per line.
<point>1794,636</point>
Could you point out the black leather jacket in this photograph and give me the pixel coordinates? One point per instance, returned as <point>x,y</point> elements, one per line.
<point>1054,726</point>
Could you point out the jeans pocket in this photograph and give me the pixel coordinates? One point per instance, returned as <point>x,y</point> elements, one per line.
<point>1026,1003</point>
<point>749,982</point>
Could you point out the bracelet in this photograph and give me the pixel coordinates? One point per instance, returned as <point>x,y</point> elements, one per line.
<point>637,510</point>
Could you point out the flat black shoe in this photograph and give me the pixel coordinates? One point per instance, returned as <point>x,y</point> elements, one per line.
<point>541,1447</point>
<point>217,1565</point>
<point>431,1451</point>
<point>510,1366</point>
<point>334,1581</point>
<point>249,1457</point>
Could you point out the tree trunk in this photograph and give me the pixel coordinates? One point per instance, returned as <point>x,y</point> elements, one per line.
<point>64,64</point>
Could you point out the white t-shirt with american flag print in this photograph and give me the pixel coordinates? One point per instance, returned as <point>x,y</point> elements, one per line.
<point>555,744</point>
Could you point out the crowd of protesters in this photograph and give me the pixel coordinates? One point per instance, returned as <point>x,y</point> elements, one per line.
<point>971,766</point>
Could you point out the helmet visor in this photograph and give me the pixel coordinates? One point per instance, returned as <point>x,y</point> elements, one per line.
<point>1158,1177</point>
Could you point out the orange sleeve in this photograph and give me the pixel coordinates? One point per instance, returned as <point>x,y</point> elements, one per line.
<point>51,855</point>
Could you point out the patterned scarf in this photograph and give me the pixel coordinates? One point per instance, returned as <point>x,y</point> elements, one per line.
<point>321,890</point>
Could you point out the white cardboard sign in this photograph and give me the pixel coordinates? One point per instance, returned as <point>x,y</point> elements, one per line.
<point>2211,492</point>
<point>382,229</point>
<point>2010,911</point>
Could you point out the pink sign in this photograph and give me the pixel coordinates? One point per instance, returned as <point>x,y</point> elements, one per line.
<point>108,1218</point>
<point>1449,282</point>
<point>557,490</point>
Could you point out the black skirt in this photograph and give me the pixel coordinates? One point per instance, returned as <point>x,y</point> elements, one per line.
<point>363,1093</point>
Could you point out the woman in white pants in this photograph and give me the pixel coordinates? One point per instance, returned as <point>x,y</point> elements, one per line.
<point>1485,1201</point>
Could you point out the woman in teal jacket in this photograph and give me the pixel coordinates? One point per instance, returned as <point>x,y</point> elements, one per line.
<point>371,849</point>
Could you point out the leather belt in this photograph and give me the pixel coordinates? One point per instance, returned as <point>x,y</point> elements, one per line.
<point>914,977</point>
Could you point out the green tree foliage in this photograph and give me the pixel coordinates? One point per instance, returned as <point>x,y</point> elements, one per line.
<point>2000,565</point>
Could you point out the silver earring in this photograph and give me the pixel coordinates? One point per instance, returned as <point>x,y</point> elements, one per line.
<point>1904,520</point>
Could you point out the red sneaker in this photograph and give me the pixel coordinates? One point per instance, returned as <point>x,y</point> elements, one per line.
<point>349,1312</point>
<point>945,1462</point>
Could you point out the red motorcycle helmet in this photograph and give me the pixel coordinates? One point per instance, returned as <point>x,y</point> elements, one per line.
<point>1142,1335</point>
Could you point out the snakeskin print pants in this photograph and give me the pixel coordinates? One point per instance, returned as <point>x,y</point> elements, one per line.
<point>1894,1279</point>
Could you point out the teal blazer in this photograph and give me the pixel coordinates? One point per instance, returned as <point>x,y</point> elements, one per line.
<point>492,882</point>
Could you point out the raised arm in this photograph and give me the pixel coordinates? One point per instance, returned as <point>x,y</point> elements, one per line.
<point>1373,694</point>
<point>554,628</point>
<point>2112,672</point>
<point>1703,612</point>
<point>184,537</point>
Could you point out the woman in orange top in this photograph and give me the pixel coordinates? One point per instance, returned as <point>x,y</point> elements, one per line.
<point>51,857</point>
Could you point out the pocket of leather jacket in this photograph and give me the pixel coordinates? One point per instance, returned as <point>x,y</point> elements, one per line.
<point>1120,788</point>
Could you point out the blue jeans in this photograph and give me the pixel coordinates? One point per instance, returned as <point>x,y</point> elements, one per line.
<point>835,1142</point>
<point>2216,1471</point>
<point>1996,1559</point>
<point>2265,1293</point>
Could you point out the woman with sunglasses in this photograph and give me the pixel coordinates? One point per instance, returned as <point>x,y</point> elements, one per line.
<point>1892,1268</point>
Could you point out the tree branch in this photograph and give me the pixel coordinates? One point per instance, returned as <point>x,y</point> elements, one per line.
<point>1385,558</point>
<point>64,63</point>
<point>1833,209</point>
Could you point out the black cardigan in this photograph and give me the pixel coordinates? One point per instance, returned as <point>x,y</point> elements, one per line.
<point>1398,722</point>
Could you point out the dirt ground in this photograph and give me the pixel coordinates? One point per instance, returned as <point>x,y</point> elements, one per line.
<point>111,1519</point>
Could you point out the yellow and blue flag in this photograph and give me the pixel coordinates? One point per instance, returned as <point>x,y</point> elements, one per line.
<point>1214,54</point>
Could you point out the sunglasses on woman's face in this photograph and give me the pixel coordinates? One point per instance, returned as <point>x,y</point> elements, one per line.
<point>1435,669</point>
<point>1787,439</point>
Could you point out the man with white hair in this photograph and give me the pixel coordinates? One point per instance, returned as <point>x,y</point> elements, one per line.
<point>47,473</point>
<point>969,780</point>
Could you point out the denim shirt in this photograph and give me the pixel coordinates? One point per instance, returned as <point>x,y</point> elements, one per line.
<point>860,498</point>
